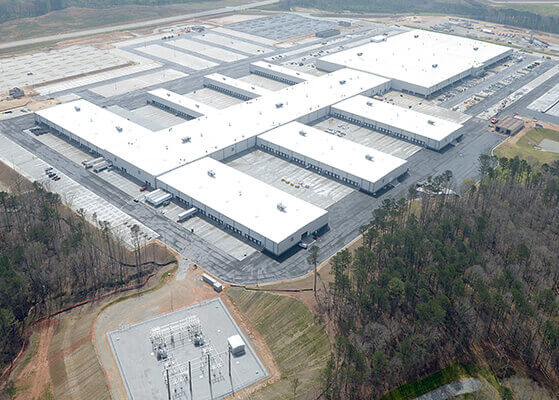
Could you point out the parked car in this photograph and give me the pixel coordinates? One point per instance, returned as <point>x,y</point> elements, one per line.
<point>143,188</point>
<point>57,178</point>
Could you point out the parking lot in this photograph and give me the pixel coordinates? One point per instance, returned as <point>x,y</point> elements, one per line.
<point>213,98</point>
<point>72,193</point>
<point>367,137</point>
<point>139,82</point>
<point>282,26</point>
<point>290,178</point>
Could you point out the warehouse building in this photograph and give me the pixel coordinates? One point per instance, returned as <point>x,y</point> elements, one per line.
<point>260,213</point>
<point>419,62</point>
<point>234,87</point>
<point>279,73</point>
<point>359,166</point>
<point>145,154</point>
<point>178,104</point>
<point>403,123</point>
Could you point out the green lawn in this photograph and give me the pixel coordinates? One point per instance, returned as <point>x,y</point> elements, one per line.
<point>524,147</point>
<point>297,340</point>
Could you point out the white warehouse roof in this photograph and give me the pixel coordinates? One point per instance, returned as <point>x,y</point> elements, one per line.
<point>345,155</point>
<point>398,117</point>
<point>180,103</point>
<point>242,198</point>
<point>159,152</point>
<point>419,57</point>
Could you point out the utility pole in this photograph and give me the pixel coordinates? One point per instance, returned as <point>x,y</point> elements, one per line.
<point>168,384</point>
<point>210,376</point>
<point>190,380</point>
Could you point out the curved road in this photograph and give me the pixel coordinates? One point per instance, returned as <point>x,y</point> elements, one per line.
<point>133,25</point>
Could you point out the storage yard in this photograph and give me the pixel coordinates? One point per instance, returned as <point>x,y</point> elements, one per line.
<point>274,138</point>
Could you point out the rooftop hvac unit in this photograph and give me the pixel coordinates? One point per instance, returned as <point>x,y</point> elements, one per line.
<point>359,54</point>
<point>168,94</point>
<point>211,173</point>
<point>416,36</point>
<point>369,157</point>
<point>342,82</point>
<point>431,122</point>
<point>77,108</point>
<point>279,105</point>
<point>302,133</point>
<point>369,103</point>
<point>476,48</point>
<point>435,65</point>
<point>186,139</point>
<point>118,128</point>
<point>281,207</point>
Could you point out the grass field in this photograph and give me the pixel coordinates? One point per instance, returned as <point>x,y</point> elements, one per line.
<point>524,147</point>
<point>297,340</point>
<point>75,18</point>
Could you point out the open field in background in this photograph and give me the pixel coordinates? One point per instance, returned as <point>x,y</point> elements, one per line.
<point>76,18</point>
<point>523,146</point>
<point>296,338</point>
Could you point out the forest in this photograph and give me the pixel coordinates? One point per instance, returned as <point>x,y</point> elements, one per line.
<point>443,279</point>
<point>463,8</point>
<point>51,257</point>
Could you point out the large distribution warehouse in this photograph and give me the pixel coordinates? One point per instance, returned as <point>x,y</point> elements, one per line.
<point>269,217</point>
<point>422,129</point>
<point>419,62</point>
<point>360,166</point>
<point>187,159</point>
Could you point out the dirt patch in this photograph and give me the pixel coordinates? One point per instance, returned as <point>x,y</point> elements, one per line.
<point>34,375</point>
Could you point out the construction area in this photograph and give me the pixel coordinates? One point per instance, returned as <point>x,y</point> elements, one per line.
<point>197,352</point>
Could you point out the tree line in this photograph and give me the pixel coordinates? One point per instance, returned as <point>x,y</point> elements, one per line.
<point>51,257</point>
<point>467,9</point>
<point>440,277</point>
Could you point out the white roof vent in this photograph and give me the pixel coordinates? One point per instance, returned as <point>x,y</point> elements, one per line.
<point>282,207</point>
<point>168,94</point>
<point>431,122</point>
<point>370,103</point>
<point>77,108</point>
<point>435,65</point>
<point>416,36</point>
<point>302,133</point>
<point>186,139</point>
<point>211,173</point>
<point>369,157</point>
<point>476,48</point>
<point>118,128</point>
<point>279,105</point>
<point>342,82</point>
<point>359,54</point>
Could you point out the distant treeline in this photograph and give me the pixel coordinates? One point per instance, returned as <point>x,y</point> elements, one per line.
<point>468,8</point>
<point>14,9</point>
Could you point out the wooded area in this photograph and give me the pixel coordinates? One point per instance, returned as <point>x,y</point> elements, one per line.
<point>51,257</point>
<point>443,278</point>
<point>462,8</point>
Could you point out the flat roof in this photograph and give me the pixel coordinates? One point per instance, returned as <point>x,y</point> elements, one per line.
<point>236,83</point>
<point>411,57</point>
<point>242,198</point>
<point>398,117</point>
<point>345,155</point>
<point>183,102</point>
<point>161,151</point>
<point>280,69</point>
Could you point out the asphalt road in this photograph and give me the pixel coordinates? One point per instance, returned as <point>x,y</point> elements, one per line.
<point>133,25</point>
